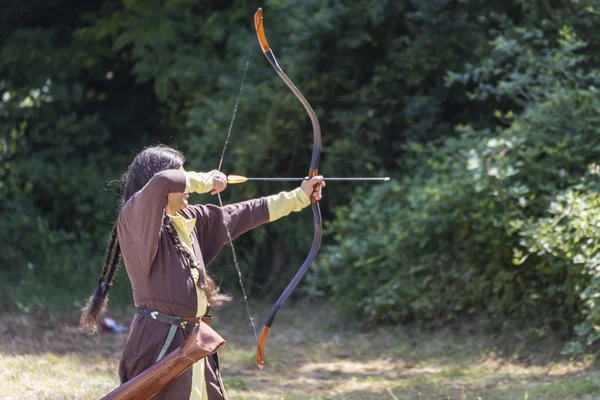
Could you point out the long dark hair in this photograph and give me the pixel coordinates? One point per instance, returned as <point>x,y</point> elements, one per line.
<point>146,164</point>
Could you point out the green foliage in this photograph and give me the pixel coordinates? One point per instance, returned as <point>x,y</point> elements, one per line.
<point>61,120</point>
<point>566,241</point>
<point>480,225</point>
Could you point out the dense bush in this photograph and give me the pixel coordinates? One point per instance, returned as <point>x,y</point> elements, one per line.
<point>499,220</point>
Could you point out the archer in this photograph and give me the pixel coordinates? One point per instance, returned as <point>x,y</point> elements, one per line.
<point>166,246</point>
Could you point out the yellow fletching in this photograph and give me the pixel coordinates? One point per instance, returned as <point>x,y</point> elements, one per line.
<point>234,179</point>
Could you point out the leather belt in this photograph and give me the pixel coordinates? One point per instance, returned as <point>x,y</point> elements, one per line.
<point>184,323</point>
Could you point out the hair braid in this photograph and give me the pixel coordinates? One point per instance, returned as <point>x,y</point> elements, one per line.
<point>114,264</point>
<point>109,250</point>
<point>205,282</point>
<point>96,304</point>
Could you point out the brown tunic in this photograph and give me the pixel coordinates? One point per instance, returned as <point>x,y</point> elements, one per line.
<point>160,276</point>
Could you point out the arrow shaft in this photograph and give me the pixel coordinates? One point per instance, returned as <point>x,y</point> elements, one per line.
<point>326,179</point>
<point>233,179</point>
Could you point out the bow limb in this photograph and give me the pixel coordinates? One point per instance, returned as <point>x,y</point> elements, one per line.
<point>313,170</point>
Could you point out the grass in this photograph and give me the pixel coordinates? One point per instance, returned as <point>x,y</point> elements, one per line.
<point>309,356</point>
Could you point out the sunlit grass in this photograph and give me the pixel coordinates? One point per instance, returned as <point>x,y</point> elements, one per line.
<point>309,355</point>
<point>46,376</point>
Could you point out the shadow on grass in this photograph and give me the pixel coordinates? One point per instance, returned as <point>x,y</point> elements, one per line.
<point>59,334</point>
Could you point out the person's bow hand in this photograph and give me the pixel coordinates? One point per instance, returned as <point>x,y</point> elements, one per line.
<point>219,181</point>
<point>313,187</point>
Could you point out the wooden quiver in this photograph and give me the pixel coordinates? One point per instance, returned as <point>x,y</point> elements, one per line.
<point>202,342</point>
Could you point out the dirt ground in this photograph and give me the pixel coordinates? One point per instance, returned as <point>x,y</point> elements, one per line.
<point>310,354</point>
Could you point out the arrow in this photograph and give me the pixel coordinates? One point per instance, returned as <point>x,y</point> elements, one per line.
<point>235,179</point>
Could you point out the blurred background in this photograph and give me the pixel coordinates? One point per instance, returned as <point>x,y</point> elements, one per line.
<point>486,114</point>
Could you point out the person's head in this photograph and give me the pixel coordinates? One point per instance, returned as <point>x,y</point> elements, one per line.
<point>145,165</point>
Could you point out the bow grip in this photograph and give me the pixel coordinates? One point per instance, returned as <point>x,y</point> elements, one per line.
<point>311,174</point>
